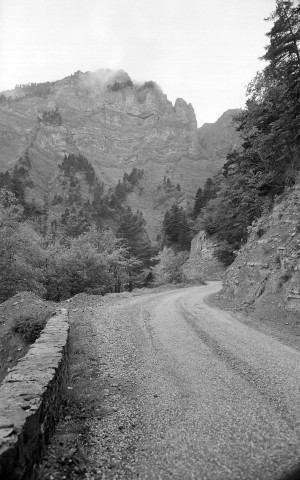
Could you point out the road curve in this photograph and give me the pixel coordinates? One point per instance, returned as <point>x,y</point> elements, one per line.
<point>208,397</point>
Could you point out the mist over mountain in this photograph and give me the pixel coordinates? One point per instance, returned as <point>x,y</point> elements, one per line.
<point>117,125</point>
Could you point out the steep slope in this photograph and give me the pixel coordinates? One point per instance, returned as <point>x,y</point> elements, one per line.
<point>202,264</point>
<point>265,276</point>
<point>117,126</point>
<point>219,138</point>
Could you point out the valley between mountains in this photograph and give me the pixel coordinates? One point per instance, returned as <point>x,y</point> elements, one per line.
<point>114,203</point>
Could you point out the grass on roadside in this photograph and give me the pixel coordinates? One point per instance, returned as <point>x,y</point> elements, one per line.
<point>29,326</point>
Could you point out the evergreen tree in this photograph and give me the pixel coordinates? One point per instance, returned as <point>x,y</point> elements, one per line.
<point>204,196</point>
<point>176,229</point>
<point>198,203</point>
<point>133,233</point>
<point>209,191</point>
<point>268,159</point>
<point>283,52</point>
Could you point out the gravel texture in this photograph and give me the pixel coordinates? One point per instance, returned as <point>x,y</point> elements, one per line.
<point>163,386</point>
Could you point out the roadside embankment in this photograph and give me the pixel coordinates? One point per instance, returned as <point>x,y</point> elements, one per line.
<point>30,400</point>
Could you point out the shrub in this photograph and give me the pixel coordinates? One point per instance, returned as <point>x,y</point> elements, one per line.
<point>169,269</point>
<point>29,327</point>
<point>52,117</point>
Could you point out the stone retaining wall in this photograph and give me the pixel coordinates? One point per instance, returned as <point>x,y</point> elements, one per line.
<point>30,400</point>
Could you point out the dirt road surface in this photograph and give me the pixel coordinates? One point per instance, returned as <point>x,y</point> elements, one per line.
<point>170,388</point>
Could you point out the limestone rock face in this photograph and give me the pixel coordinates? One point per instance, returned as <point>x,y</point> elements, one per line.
<point>219,138</point>
<point>267,268</point>
<point>202,263</point>
<point>116,125</point>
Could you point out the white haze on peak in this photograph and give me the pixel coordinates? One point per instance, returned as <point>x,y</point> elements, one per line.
<point>97,81</point>
<point>205,52</point>
<point>102,78</point>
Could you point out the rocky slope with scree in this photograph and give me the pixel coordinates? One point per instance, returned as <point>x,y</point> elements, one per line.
<point>265,277</point>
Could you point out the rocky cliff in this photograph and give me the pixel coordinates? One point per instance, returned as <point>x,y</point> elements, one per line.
<point>117,125</point>
<point>202,263</point>
<point>266,272</point>
<point>219,138</point>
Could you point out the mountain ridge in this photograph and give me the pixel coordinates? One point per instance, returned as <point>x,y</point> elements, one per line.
<point>117,125</point>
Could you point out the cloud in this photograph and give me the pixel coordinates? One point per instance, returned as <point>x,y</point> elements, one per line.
<point>101,78</point>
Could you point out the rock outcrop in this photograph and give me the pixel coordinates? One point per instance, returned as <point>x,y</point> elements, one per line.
<point>219,138</point>
<point>202,264</point>
<point>115,124</point>
<point>267,268</point>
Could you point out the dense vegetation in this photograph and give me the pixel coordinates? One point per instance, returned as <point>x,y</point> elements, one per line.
<point>117,86</point>
<point>96,245</point>
<point>36,89</point>
<point>52,117</point>
<point>72,164</point>
<point>169,268</point>
<point>128,182</point>
<point>268,160</point>
<point>175,242</point>
<point>29,327</point>
<point>27,90</point>
<point>18,179</point>
<point>176,230</point>
<point>204,196</point>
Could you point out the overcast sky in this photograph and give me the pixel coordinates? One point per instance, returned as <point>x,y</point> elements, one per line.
<point>205,51</point>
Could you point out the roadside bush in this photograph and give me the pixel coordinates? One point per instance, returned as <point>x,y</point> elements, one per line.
<point>169,268</point>
<point>29,327</point>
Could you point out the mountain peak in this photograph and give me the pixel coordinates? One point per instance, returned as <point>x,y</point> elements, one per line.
<point>117,125</point>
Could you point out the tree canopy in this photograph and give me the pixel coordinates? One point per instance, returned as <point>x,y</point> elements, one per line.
<point>176,230</point>
<point>268,160</point>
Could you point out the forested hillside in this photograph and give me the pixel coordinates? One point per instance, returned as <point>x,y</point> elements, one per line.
<point>97,175</point>
<point>104,184</point>
<point>256,174</point>
<point>78,254</point>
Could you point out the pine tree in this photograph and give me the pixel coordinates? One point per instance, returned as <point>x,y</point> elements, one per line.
<point>198,203</point>
<point>283,51</point>
<point>209,191</point>
<point>176,229</point>
<point>135,238</point>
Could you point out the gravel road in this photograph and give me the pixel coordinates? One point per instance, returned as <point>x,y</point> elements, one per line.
<point>188,392</point>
